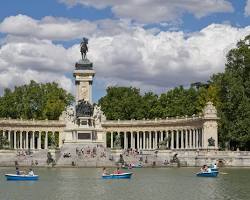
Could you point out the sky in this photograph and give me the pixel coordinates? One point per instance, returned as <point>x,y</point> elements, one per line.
<point>153,45</point>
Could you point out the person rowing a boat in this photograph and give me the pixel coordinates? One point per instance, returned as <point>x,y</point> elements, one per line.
<point>104,172</point>
<point>118,171</point>
<point>31,173</point>
<point>17,171</point>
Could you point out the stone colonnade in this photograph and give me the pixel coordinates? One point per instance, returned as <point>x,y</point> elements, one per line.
<point>171,139</point>
<point>195,132</point>
<point>30,134</point>
<point>27,139</point>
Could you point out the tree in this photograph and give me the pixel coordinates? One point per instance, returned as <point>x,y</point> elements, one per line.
<point>34,101</point>
<point>234,98</point>
<point>121,103</point>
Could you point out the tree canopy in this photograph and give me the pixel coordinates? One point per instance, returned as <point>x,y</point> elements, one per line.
<point>34,101</point>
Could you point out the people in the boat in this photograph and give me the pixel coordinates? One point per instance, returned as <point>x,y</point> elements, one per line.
<point>215,166</point>
<point>104,171</point>
<point>117,171</point>
<point>17,171</point>
<point>31,173</point>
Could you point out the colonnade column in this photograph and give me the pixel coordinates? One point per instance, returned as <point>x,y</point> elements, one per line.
<point>186,140</point>
<point>144,140</point>
<point>177,139</point>
<point>27,139</point>
<point>150,140</point>
<point>39,140</point>
<point>172,139</point>
<point>46,140</point>
<point>197,138</point>
<point>33,140</point>
<point>125,140</point>
<point>9,137</point>
<point>21,139</point>
<point>14,140</point>
<point>138,138</point>
<point>111,144</point>
<point>182,139</point>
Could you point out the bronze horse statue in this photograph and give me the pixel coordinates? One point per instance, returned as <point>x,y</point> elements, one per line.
<point>84,48</point>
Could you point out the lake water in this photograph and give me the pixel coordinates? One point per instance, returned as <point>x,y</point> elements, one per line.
<point>146,184</point>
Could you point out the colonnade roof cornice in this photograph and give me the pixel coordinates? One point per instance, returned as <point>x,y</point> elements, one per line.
<point>185,121</point>
<point>32,123</point>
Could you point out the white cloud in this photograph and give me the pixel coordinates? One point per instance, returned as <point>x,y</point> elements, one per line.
<point>166,59</point>
<point>157,10</point>
<point>126,55</point>
<point>52,28</point>
<point>56,28</point>
<point>247,8</point>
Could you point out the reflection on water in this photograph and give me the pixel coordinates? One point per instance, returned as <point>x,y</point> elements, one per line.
<point>146,184</point>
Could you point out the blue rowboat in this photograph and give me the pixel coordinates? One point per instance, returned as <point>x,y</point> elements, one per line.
<point>118,176</point>
<point>214,169</point>
<point>15,177</point>
<point>208,174</point>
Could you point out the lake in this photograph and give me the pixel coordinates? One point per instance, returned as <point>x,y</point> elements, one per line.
<point>146,184</point>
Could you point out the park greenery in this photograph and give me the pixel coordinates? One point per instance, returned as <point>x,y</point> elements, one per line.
<point>229,91</point>
<point>34,101</point>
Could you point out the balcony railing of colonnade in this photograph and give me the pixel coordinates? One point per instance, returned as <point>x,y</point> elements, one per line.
<point>31,134</point>
<point>171,133</point>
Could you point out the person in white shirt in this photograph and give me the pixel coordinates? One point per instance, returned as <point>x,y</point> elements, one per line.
<point>31,173</point>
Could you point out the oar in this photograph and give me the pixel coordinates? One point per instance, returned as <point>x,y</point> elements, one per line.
<point>224,173</point>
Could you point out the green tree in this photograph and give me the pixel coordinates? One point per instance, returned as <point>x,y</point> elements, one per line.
<point>121,103</point>
<point>179,102</point>
<point>34,101</point>
<point>234,95</point>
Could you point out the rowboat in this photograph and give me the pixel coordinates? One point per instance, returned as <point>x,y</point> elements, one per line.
<point>214,169</point>
<point>208,174</point>
<point>118,176</point>
<point>15,177</point>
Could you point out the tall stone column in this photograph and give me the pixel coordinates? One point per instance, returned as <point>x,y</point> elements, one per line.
<point>39,140</point>
<point>140,140</point>
<point>177,139</point>
<point>201,139</point>
<point>112,140</point>
<point>156,140</point>
<point>14,140</point>
<point>137,135</point>
<point>33,140</point>
<point>197,138</point>
<point>27,139</point>
<point>182,139</point>
<point>21,139</point>
<point>190,139</point>
<point>144,140</point>
<point>9,138</point>
<point>193,138</point>
<point>46,140</point>
<point>172,139</point>
<point>150,139</point>
<point>186,139</point>
<point>125,140</point>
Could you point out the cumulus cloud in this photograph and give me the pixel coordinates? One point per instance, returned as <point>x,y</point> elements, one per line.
<point>157,10</point>
<point>247,8</point>
<point>61,29</point>
<point>166,59</point>
<point>126,55</point>
<point>52,28</point>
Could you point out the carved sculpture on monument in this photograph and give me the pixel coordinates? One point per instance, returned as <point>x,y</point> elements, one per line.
<point>84,109</point>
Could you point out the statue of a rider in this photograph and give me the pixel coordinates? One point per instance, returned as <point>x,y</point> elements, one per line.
<point>84,47</point>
